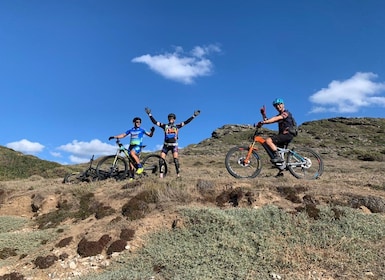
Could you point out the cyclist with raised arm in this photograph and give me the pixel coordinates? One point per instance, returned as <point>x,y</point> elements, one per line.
<point>285,122</point>
<point>137,133</point>
<point>171,131</point>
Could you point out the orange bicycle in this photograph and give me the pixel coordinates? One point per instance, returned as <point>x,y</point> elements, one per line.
<point>301,162</point>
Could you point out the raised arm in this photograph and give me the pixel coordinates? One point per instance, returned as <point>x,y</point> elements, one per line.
<point>196,113</point>
<point>153,120</point>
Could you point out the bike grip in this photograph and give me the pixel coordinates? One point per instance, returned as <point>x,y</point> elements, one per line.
<point>111,137</point>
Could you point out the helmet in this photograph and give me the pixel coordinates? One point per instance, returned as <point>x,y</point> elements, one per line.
<point>137,119</point>
<point>171,115</point>
<point>278,101</point>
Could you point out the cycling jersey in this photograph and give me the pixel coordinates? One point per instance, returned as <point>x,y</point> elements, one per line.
<point>137,134</point>
<point>285,123</point>
<point>171,132</point>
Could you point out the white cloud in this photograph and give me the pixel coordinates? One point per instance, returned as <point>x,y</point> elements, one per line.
<point>83,151</point>
<point>179,66</point>
<point>350,95</point>
<point>55,154</point>
<point>26,146</point>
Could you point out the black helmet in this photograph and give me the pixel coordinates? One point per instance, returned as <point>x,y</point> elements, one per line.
<point>171,115</point>
<point>137,119</point>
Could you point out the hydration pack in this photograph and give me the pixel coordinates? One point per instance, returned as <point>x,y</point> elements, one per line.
<point>293,129</point>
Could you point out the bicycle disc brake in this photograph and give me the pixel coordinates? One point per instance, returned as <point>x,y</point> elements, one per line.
<point>242,162</point>
<point>307,164</point>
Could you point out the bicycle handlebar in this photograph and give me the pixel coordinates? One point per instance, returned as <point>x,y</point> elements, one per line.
<point>257,131</point>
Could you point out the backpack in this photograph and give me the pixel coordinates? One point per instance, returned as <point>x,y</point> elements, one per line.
<point>293,129</point>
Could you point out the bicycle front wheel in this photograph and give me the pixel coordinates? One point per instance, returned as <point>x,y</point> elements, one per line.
<point>152,165</point>
<point>112,167</point>
<point>236,165</point>
<point>304,163</point>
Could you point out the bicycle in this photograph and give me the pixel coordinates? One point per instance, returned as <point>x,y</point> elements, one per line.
<point>118,165</point>
<point>301,162</point>
<point>88,175</point>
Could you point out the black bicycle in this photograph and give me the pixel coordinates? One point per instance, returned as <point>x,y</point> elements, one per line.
<point>88,175</point>
<point>118,166</point>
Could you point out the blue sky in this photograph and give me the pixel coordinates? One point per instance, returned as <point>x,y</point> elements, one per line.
<point>74,72</point>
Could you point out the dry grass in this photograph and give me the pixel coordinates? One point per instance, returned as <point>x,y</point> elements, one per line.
<point>291,252</point>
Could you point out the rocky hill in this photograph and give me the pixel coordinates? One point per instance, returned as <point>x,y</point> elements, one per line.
<point>352,138</point>
<point>50,230</point>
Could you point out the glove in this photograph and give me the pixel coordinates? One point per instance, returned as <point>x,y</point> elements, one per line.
<point>111,137</point>
<point>196,113</point>
<point>152,129</point>
<point>148,110</point>
<point>259,124</point>
<point>263,111</point>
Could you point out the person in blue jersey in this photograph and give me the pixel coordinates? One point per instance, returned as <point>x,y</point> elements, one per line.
<point>171,134</point>
<point>137,133</point>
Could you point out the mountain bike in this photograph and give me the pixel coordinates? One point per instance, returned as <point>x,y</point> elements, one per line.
<point>87,175</point>
<point>301,162</point>
<point>117,166</point>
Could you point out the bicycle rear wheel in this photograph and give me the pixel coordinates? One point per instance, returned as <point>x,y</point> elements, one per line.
<point>72,178</point>
<point>236,166</point>
<point>151,165</point>
<point>112,167</point>
<point>304,163</point>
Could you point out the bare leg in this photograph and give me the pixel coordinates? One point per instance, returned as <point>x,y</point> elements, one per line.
<point>273,147</point>
<point>135,157</point>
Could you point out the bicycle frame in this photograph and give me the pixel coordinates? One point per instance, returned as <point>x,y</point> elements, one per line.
<point>252,147</point>
<point>126,152</point>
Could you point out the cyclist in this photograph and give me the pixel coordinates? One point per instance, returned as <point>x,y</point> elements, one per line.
<point>170,137</point>
<point>137,133</point>
<point>285,122</point>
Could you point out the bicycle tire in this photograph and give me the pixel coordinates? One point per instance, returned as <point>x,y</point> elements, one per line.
<point>108,167</point>
<point>236,167</point>
<point>91,175</point>
<point>310,169</point>
<point>72,178</point>
<point>151,165</point>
